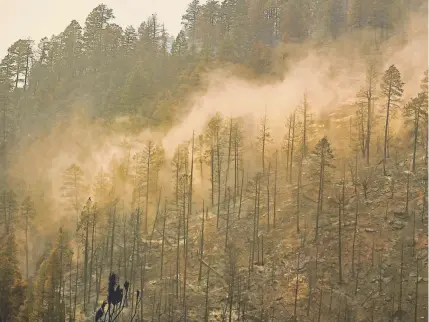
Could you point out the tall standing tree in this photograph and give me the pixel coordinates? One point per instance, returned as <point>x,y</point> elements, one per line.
<point>414,112</point>
<point>264,138</point>
<point>148,165</point>
<point>129,39</point>
<point>20,54</point>
<point>94,34</point>
<point>392,89</point>
<point>207,26</point>
<point>73,189</point>
<point>324,154</point>
<point>366,97</point>
<point>72,45</point>
<point>189,20</point>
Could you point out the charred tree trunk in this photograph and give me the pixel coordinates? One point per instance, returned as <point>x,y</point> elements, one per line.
<point>241,194</point>
<point>416,134</point>
<point>218,178</point>
<point>229,158</point>
<point>417,291</point>
<point>201,245</point>
<point>320,195</point>
<point>206,311</point>
<point>275,193</point>
<point>212,172</point>
<point>92,254</point>
<point>163,241</point>
<point>400,279</point>
<point>296,287</point>
<point>75,286</point>
<point>386,130</point>
<point>355,234</point>
<point>227,219</point>
<point>268,196</point>
<point>291,148</point>
<point>85,265</point>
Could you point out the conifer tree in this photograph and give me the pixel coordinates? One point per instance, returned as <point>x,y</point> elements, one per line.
<point>392,88</point>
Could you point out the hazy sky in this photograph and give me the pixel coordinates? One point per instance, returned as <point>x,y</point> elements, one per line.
<point>39,18</point>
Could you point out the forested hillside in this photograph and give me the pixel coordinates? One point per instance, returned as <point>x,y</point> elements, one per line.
<point>267,163</point>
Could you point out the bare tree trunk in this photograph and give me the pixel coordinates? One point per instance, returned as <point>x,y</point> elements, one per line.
<point>212,172</point>
<point>357,274</point>
<point>229,157</point>
<point>113,218</point>
<point>311,279</point>
<point>355,234</point>
<point>268,196</point>
<point>296,287</point>
<point>184,214</point>
<point>133,254</point>
<point>368,124</point>
<point>236,162</point>
<point>163,241</point>
<point>26,245</point>
<point>264,137</point>
<point>241,194</point>
<point>400,280</point>
<point>75,285</point>
<point>92,254</point>
<point>417,291</point>
<point>424,208</point>
<point>85,265</point>
<point>231,291</point>
<point>206,312</point>
<point>408,193</point>
<point>70,288</point>
<point>414,233</point>
<point>191,178</point>
<point>416,134</point>
<point>149,156</point>
<point>125,245</point>
<point>288,148</point>
<point>99,272</point>
<point>386,131</point>
<point>320,195</point>
<point>218,178</point>
<point>185,273</point>
<point>258,215</point>
<point>227,220</point>
<point>320,304</point>
<point>298,194</point>
<point>201,245</point>
<point>275,192</point>
<point>178,257</point>
<point>304,134</point>
<point>380,277</point>
<point>340,251</point>
<point>142,275</point>
<point>255,216</point>
<point>291,148</point>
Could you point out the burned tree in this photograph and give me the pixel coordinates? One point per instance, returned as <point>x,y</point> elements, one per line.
<point>324,154</point>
